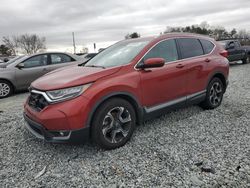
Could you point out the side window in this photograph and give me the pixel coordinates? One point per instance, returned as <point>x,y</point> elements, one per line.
<point>36,61</point>
<point>60,58</point>
<point>207,46</point>
<point>190,47</point>
<point>165,49</point>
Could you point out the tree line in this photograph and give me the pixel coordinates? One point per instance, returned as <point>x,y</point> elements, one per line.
<point>26,43</point>
<point>216,32</point>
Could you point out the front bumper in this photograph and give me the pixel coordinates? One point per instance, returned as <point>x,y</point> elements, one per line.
<point>71,136</point>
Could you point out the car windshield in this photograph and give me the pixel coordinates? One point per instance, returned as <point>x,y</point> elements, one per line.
<point>120,53</point>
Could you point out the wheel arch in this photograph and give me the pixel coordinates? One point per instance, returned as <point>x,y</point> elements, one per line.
<point>124,95</point>
<point>12,85</point>
<point>221,76</point>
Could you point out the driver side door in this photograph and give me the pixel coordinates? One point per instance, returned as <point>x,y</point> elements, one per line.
<point>31,69</point>
<point>165,86</point>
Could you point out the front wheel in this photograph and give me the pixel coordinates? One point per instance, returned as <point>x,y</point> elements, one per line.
<point>6,89</point>
<point>113,124</point>
<point>214,95</point>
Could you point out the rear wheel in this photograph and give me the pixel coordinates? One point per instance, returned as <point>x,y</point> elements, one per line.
<point>246,60</point>
<point>6,89</point>
<point>214,95</point>
<point>113,123</point>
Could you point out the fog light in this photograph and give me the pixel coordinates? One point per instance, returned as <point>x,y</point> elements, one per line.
<point>60,133</point>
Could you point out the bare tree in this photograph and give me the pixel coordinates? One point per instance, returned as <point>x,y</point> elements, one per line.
<point>31,43</point>
<point>11,43</point>
<point>28,43</point>
<point>133,35</point>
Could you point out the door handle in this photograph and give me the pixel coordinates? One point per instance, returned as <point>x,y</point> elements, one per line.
<point>179,66</point>
<point>207,60</point>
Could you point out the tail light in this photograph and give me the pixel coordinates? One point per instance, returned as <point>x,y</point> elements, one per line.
<point>224,53</point>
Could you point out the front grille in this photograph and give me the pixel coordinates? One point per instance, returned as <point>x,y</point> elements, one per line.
<point>37,101</point>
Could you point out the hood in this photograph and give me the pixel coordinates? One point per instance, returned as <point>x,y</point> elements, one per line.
<point>71,76</point>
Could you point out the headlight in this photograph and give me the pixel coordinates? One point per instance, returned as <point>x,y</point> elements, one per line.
<point>68,93</point>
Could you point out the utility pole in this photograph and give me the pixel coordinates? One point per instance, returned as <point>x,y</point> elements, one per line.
<point>74,44</point>
<point>95,47</point>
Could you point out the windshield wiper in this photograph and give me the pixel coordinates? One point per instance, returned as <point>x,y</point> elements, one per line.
<point>95,66</point>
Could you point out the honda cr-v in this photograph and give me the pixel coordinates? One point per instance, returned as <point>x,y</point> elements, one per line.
<point>124,85</point>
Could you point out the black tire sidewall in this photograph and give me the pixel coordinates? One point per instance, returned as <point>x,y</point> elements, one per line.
<point>96,127</point>
<point>246,60</point>
<point>11,89</point>
<point>211,106</point>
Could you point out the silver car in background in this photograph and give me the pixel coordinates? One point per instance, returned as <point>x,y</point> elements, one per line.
<point>18,73</point>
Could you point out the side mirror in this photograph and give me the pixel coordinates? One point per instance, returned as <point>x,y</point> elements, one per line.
<point>20,66</point>
<point>152,63</point>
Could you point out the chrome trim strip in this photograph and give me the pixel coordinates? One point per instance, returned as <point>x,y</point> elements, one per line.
<point>43,94</point>
<point>204,55</point>
<point>196,94</point>
<point>164,105</point>
<point>170,103</point>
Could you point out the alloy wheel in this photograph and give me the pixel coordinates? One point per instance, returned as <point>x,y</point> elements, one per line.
<point>116,125</point>
<point>4,89</point>
<point>216,93</point>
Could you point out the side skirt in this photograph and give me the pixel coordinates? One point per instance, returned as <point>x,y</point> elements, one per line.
<point>158,110</point>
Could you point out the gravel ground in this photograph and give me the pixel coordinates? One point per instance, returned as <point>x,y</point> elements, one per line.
<point>185,148</point>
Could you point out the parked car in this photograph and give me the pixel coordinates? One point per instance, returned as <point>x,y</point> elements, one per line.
<point>236,52</point>
<point>127,83</point>
<point>18,73</point>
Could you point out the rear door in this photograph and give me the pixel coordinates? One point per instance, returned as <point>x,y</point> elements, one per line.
<point>58,60</point>
<point>33,68</point>
<point>192,55</point>
<point>164,86</point>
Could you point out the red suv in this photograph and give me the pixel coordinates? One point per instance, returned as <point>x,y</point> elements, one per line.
<point>124,85</point>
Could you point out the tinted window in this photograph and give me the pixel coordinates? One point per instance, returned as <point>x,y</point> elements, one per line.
<point>190,47</point>
<point>36,61</point>
<point>60,58</point>
<point>166,50</point>
<point>207,46</point>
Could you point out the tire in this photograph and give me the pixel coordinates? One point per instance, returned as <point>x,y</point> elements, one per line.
<point>214,95</point>
<point>6,89</point>
<point>246,60</point>
<point>113,123</point>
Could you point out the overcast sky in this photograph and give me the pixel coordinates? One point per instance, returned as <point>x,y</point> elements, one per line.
<point>107,21</point>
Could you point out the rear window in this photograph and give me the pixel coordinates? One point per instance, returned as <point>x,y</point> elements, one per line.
<point>60,58</point>
<point>190,47</point>
<point>207,46</point>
